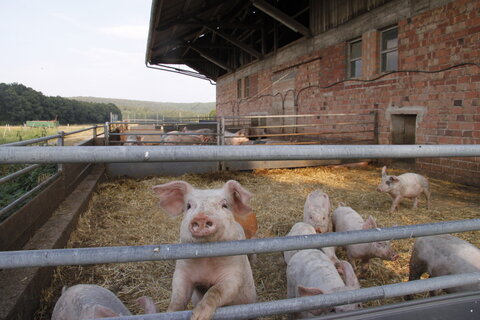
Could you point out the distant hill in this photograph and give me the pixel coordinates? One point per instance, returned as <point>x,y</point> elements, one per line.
<point>139,109</point>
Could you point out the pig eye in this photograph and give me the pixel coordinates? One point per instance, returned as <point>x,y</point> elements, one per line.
<point>224,204</point>
<point>189,206</point>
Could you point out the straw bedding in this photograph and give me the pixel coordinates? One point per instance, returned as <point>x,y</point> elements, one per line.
<point>124,212</point>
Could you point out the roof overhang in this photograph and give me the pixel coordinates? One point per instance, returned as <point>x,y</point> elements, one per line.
<point>216,37</point>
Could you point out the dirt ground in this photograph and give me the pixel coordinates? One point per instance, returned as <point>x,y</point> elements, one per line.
<point>124,212</point>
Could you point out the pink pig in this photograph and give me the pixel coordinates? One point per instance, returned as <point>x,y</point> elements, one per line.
<point>310,272</point>
<point>236,138</point>
<point>407,185</point>
<point>347,219</point>
<point>316,211</point>
<point>442,255</point>
<point>208,216</point>
<point>87,301</point>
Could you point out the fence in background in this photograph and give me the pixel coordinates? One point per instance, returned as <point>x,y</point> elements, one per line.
<point>340,128</point>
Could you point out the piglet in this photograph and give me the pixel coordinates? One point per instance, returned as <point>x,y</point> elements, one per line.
<point>302,228</point>
<point>87,301</point>
<point>442,255</point>
<point>310,272</point>
<point>236,138</point>
<point>347,219</point>
<point>298,229</point>
<point>407,185</point>
<point>208,216</point>
<point>316,211</point>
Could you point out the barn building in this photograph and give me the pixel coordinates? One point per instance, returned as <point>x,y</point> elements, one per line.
<point>399,71</point>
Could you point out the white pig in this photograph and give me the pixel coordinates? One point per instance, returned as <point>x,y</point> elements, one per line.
<point>310,272</point>
<point>208,216</point>
<point>133,141</point>
<point>298,229</point>
<point>347,219</point>
<point>442,255</point>
<point>407,185</point>
<point>179,137</point>
<point>302,228</point>
<point>316,211</point>
<point>236,138</point>
<point>87,301</point>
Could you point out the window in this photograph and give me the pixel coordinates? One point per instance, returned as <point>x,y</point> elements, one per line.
<point>389,49</point>
<point>355,58</point>
<point>246,87</point>
<point>239,88</point>
<point>245,93</point>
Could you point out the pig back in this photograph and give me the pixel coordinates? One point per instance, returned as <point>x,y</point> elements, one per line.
<point>79,302</point>
<point>346,219</point>
<point>298,229</point>
<point>445,255</point>
<point>312,268</point>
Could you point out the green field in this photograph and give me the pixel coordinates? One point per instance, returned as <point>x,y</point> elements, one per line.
<point>20,133</point>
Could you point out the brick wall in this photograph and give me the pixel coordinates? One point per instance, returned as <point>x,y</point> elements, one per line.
<point>446,103</point>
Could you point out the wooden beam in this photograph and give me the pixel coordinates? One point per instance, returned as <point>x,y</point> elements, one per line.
<point>236,42</point>
<point>281,17</point>
<point>211,58</point>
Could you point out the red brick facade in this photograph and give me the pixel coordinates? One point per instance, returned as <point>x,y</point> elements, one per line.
<point>439,82</point>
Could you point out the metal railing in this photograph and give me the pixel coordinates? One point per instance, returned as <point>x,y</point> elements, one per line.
<point>261,309</point>
<point>116,154</point>
<point>60,141</point>
<point>81,256</point>
<point>17,259</point>
<point>268,129</point>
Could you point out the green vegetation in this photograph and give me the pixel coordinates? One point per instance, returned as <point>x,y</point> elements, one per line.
<point>150,110</point>
<point>15,188</point>
<point>11,134</point>
<point>19,103</point>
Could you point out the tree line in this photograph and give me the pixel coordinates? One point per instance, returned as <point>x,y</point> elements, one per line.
<point>19,103</point>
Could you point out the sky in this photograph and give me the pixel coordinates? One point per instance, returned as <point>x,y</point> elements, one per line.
<point>87,48</point>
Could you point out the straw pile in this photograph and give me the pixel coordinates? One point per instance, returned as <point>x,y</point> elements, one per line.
<point>125,212</point>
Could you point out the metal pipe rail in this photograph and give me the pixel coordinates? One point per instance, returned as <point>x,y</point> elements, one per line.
<point>297,115</point>
<point>31,141</point>
<point>102,154</point>
<point>28,194</point>
<point>81,130</point>
<point>262,309</point>
<point>82,256</point>
<point>18,173</point>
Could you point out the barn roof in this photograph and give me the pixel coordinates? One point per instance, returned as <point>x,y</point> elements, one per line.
<point>216,37</point>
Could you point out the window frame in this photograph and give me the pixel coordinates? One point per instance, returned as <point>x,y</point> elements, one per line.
<point>386,51</point>
<point>246,87</point>
<point>350,59</point>
<point>239,89</point>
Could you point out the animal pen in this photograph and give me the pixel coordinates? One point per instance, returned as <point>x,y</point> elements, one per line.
<point>78,161</point>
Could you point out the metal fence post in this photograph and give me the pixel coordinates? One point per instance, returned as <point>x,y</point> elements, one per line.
<point>106,131</point>
<point>221,139</point>
<point>60,143</point>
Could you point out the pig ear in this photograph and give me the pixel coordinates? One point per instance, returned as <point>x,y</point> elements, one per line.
<point>172,196</point>
<point>384,171</point>
<point>393,178</point>
<point>369,223</point>
<point>104,312</point>
<point>147,305</point>
<point>240,197</point>
<point>304,291</point>
<point>350,278</point>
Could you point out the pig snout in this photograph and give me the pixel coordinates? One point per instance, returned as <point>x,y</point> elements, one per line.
<point>202,225</point>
